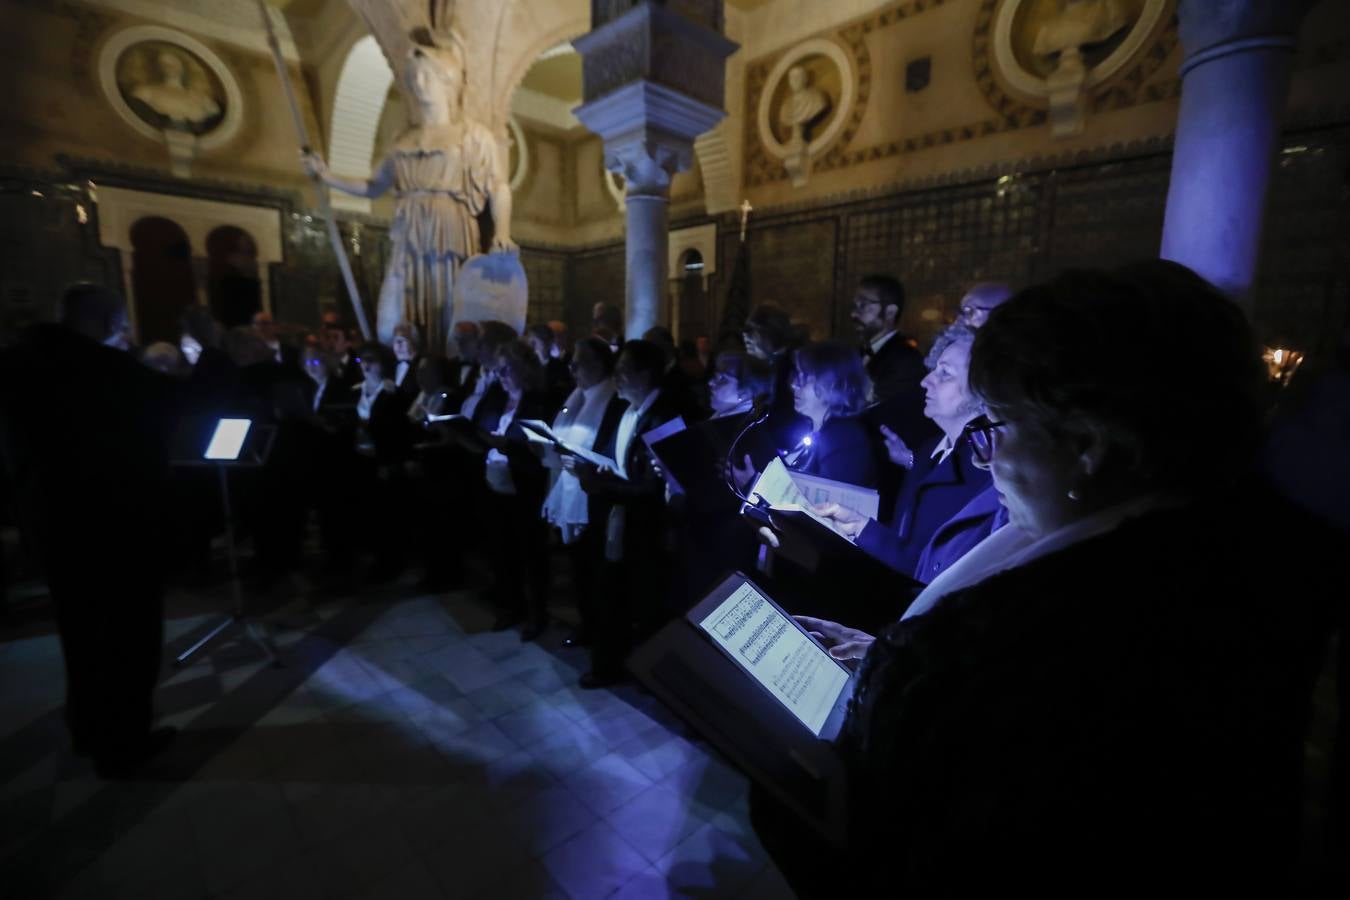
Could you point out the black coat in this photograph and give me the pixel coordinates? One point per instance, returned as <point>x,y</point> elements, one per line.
<point>933,493</point>
<point>1130,708</point>
<point>843,450</point>
<point>642,493</point>
<point>409,388</point>
<point>895,369</point>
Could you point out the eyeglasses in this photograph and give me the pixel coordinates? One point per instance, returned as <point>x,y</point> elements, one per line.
<point>721,378</point>
<point>980,434</point>
<point>970,312</point>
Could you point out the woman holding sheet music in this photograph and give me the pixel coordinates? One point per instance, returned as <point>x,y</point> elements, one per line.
<point>589,419</point>
<point>631,504</point>
<point>1115,688</point>
<point>944,477</point>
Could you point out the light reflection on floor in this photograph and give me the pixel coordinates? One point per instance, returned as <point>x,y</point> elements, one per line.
<point>401,752</point>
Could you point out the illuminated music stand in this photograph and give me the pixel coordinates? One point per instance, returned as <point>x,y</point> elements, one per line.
<point>235,443</point>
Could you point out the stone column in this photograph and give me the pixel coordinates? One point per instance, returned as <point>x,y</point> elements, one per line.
<point>646,172</point>
<point>1235,76</point>
<point>652,82</point>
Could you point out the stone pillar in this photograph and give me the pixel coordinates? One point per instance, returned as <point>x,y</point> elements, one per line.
<point>653,82</point>
<point>646,172</point>
<point>1235,76</point>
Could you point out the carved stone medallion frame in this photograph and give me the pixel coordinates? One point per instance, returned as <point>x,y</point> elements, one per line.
<point>839,115</point>
<point>182,146</point>
<point>1067,103</point>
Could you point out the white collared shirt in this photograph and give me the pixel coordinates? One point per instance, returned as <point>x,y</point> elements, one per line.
<point>627,427</point>
<point>401,371</point>
<point>880,341</point>
<point>1010,547</point>
<point>318,393</point>
<point>943,449</point>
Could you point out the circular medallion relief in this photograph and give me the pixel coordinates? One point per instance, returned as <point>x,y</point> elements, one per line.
<point>162,81</point>
<point>808,97</point>
<point>1034,41</point>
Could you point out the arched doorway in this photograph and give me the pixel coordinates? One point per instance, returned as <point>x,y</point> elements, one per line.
<point>233,285</point>
<point>161,277</point>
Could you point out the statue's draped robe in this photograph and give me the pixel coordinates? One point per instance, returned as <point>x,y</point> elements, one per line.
<point>440,193</point>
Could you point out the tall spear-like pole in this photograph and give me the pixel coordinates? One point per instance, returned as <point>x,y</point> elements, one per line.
<point>325,208</point>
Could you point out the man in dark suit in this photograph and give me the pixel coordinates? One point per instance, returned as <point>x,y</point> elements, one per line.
<point>895,368</point>
<point>89,484</point>
<point>630,505</point>
<point>283,353</point>
<point>338,343</point>
<point>407,347</point>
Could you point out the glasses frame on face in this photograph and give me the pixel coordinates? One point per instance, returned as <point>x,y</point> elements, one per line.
<point>980,433</point>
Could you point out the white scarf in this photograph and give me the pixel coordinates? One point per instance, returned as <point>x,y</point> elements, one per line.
<point>577,423</point>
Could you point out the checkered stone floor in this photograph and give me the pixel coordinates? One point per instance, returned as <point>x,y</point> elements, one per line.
<point>401,751</point>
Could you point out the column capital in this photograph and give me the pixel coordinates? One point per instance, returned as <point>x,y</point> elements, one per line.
<point>1214,28</point>
<point>649,132</point>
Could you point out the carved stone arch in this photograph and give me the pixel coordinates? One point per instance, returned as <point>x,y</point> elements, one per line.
<point>516,69</point>
<point>362,90</point>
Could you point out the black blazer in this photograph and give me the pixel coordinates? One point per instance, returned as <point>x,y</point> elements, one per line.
<point>642,494</point>
<point>933,493</point>
<point>408,388</point>
<point>527,472</point>
<point>895,368</point>
<point>843,451</point>
<point>1137,701</point>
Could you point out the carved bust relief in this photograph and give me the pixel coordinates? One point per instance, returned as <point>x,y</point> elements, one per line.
<point>170,88</point>
<point>1056,52</point>
<point>807,98</point>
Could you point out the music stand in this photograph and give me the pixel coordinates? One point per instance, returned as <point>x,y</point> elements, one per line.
<point>234,443</point>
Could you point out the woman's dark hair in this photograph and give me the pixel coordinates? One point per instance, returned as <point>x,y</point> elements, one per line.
<point>493,334</point>
<point>839,374</point>
<point>1151,358</point>
<point>381,354</point>
<point>773,326</point>
<point>754,375</point>
<point>601,351</point>
<point>518,359</point>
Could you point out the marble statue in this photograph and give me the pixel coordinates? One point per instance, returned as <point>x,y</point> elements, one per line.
<point>445,171</point>
<point>803,107</point>
<point>177,103</point>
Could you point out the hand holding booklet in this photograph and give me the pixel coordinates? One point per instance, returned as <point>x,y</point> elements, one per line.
<point>539,431</point>
<point>779,489</point>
